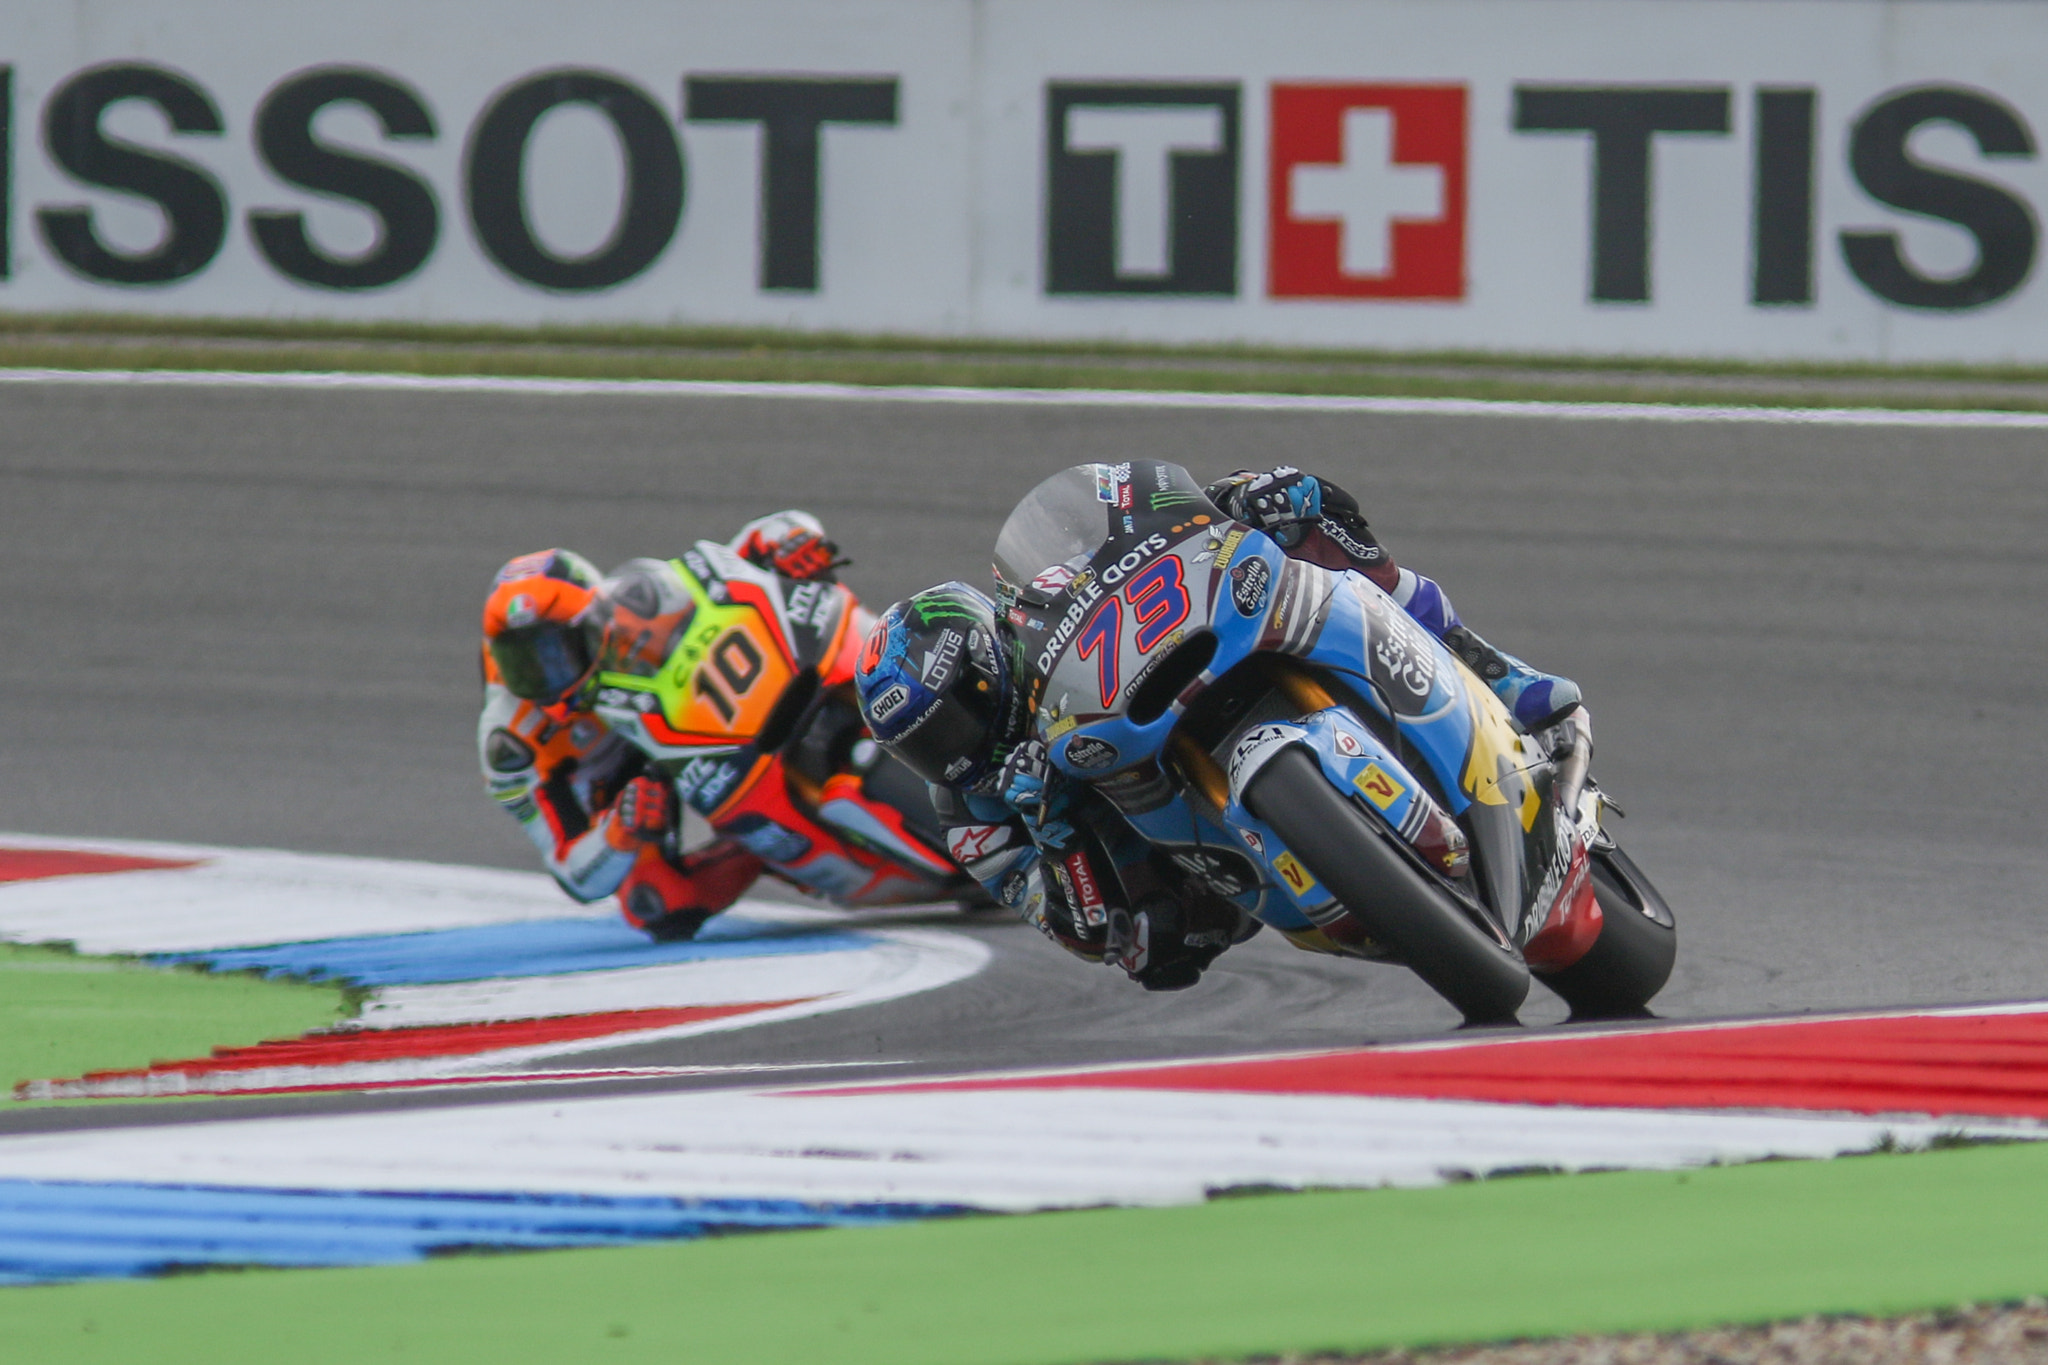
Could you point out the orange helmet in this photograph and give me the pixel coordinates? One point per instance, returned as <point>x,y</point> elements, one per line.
<point>536,630</point>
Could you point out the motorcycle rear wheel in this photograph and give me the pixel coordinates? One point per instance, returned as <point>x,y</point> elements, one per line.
<point>1350,854</point>
<point>1631,960</point>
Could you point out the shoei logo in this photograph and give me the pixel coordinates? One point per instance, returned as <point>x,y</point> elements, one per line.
<point>888,704</point>
<point>1367,192</point>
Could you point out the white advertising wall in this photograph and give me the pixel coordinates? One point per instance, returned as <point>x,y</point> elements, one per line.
<point>1824,179</point>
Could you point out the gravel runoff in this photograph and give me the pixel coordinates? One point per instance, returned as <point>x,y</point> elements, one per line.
<point>2004,1334</point>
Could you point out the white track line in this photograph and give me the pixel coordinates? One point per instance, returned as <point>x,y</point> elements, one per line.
<point>1003,1150</point>
<point>1083,398</point>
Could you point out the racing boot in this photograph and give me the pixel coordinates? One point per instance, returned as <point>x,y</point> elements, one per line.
<point>670,901</point>
<point>1536,700</point>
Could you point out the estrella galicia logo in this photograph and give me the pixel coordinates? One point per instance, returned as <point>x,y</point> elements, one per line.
<point>1249,581</point>
<point>1090,753</point>
<point>1141,188</point>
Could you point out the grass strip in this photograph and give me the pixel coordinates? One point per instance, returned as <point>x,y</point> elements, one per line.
<point>62,1014</point>
<point>98,342</point>
<point>1528,1257</point>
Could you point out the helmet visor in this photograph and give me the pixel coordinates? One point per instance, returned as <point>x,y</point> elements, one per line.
<point>542,662</point>
<point>950,743</point>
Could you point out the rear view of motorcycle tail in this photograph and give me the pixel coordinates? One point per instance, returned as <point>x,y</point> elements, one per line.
<point>1328,764</point>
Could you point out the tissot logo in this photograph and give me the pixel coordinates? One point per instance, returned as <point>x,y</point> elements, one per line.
<point>1366,192</point>
<point>1141,189</point>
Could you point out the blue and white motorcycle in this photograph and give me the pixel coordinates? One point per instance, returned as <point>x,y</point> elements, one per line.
<point>1287,737</point>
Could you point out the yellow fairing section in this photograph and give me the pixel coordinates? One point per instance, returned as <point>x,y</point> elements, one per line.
<point>725,676</point>
<point>1496,769</point>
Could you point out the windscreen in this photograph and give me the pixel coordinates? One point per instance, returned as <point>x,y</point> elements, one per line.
<point>1061,520</point>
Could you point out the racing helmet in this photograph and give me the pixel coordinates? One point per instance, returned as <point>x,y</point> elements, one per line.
<point>935,687</point>
<point>640,613</point>
<point>537,630</point>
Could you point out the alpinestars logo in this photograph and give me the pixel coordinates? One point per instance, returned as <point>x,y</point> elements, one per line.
<point>1367,192</point>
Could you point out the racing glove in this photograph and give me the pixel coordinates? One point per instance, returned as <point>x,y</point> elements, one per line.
<point>1283,503</point>
<point>791,543</point>
<point>1030,785</point>
<point>643,814</point>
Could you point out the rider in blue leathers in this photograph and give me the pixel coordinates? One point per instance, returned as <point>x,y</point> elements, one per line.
<point>1056,851</point>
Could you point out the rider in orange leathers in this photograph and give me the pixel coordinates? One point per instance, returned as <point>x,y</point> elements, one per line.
<point>585,797</point>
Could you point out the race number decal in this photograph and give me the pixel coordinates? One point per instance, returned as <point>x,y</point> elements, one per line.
<point>734,688</point>
<point>1159,601</point>
<point>1099,640</point>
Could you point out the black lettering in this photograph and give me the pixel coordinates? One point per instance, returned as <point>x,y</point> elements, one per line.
<point>1622,120</point>
<point>496,176</point>
<point>742,675</point>
<point>2000,221</point>
<point>1781,244</point>
<point>790,112</point>
<point>195,211</point>
<point>1088,248</point>
<point>407,219</point>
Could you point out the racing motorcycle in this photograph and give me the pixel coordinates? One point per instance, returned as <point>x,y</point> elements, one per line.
<point>1288,737</point>
<point>737,684</point>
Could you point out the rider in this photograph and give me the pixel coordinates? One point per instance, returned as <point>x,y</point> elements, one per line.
<point>1035,839</point>
<point>603,822</point>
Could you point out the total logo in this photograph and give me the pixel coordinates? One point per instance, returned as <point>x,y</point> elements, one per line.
<point>1365,190</point>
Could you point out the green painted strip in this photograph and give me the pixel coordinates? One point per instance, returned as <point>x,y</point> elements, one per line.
<point>62,1015</point>
<point>116,342</point>
<point>1505,1258</point>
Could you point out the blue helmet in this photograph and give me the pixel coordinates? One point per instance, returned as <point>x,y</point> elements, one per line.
<point>934,684</point>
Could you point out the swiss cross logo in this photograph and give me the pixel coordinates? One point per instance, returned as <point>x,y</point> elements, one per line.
<point>1367,192</point>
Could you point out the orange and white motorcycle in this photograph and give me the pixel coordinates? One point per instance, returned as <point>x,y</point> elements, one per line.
<point>737,683</point>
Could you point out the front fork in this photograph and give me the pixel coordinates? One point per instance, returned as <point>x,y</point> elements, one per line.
<point>1354,760</point>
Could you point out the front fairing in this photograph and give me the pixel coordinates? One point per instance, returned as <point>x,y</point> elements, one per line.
<point>1095,628</point>
<point>751,634</point>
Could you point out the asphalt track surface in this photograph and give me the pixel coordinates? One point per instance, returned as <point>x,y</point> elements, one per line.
<point>1816,656</point>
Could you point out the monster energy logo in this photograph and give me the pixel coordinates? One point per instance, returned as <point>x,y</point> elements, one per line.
<point>933,609</point>
<point>1172,498</point>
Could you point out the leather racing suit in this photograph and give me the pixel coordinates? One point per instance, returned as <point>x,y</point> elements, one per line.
<point>1058,853</point>
<point>560,771</point>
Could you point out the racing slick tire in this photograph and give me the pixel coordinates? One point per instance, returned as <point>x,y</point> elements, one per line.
<point>1350,853</point>
<point>1631,960</point>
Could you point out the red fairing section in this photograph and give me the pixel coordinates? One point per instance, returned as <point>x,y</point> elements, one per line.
<point>1574,922</point>
<point>1982,1065</point>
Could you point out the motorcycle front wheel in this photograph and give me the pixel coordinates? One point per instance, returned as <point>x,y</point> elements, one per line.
<point>1351,855</point>
<point>1631,960</point>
